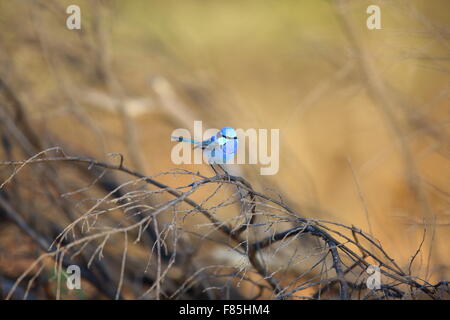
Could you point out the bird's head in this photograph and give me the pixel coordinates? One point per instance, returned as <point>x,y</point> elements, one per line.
<point>228,133</point>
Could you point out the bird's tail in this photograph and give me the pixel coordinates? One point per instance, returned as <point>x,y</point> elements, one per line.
<point>181,139</point>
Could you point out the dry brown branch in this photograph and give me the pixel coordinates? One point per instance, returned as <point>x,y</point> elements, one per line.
<point>93,231</point>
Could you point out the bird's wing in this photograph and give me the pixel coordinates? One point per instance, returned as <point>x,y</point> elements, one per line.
<point>216,143</point>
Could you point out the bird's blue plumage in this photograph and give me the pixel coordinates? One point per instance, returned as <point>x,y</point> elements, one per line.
<point>220,148</point>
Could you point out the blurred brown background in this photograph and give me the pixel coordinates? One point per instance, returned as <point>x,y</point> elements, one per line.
<point>363,114</point>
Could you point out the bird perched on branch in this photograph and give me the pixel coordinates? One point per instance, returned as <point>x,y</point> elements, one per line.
<point>219,149</point>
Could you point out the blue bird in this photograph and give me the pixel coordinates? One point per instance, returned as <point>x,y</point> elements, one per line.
<point>219,149</point>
